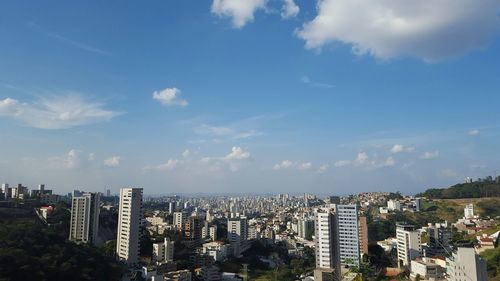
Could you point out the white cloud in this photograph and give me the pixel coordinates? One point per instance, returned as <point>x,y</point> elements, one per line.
<point>363,160</point>
<point>237,153</point>
<point>205,129</point>
<point>57,112</point>
<point>223,133</point>
<point>323,168</point>
<point>290,9</point>
<point>287,164</point>
<point>70,160</point>
<point>473,132</point>
<point>91,156</point>
<point>389,162</point>
<point>283,165</point>
<point>426,29</point>
<point>397,148</point>
<point>233,160</point>
<point>113,161</point>
<point>169,165</point>
<point>241,11</point>
<point>306,80</point>
<point>186,153</point>
<point>305,166</point>
<point>429,154</point>
<point>169,97</point>
<point>342,163</point>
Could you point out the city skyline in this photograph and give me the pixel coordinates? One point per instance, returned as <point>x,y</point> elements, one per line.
<point>213,97</point>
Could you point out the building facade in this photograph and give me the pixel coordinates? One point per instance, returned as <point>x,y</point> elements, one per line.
<point>409,244</point>
<point>129,223</point>
<point>84,223</point>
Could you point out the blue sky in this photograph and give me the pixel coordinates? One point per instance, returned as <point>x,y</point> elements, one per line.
<point>251,96</point>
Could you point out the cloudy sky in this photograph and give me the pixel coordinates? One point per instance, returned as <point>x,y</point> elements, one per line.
<point>249,96</point>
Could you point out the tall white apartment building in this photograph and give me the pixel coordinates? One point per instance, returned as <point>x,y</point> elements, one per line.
<point>129,223</point>
<point>409,244</point>
<point>465,265</point>
<point>212,232</point>
<point>237,233</point>
<point>163,252</point>
<point>326,240</point>
<point>469,211</point>
<point>348,229</point>
<point>179,220</point>
<point>84,222</point>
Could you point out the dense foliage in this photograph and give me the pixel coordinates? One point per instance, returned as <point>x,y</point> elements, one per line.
<point>492,257</point>
<point>34,251</point>
<point>477,189</point>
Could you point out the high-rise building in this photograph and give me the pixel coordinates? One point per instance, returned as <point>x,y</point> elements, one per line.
<point>193,229</point>
<point>327,244</point>
<point>469,211</point>
<point>179,220</point>
<point>466,265</point>
<point>363,235</point>
<point>237,233</point>
<point>409,244</point>
<point>129,223</point>
<point>84,223</point>
<point>212,232</point>
<point>163,252</point>
<point>348,234</point>
<point>171,207</point>
<point>440,236</point>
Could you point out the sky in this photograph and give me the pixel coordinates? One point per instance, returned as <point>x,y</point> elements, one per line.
<point>249,96</point>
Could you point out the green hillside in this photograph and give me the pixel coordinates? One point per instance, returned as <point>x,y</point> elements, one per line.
<point>478,189</point>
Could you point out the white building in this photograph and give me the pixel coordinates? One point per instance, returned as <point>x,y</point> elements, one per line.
<point>348,229</point>
<point>326,240</point>
<point>469,211</point>
<point>409,244</point>
<point>237,233</point>
<point>218,250</point>
<point>84,223</point>
<point>163,252</point>
<point>428,269</point>
<point>393,205</point>
<point>465,265</point>
<point>179,220</point>
<point>129,223</point>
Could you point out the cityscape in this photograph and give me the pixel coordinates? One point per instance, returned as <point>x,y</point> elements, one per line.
<point>367,236</point>
<point>250,140</point>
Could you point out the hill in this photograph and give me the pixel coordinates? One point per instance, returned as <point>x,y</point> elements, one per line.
<point>477,189</point>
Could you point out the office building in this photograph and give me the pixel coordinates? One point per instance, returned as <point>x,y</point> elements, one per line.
<point>129,223</point>
<point>409,244</point>
<point>84,223</point>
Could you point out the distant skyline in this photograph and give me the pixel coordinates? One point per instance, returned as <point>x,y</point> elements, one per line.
<point>249,96</point>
